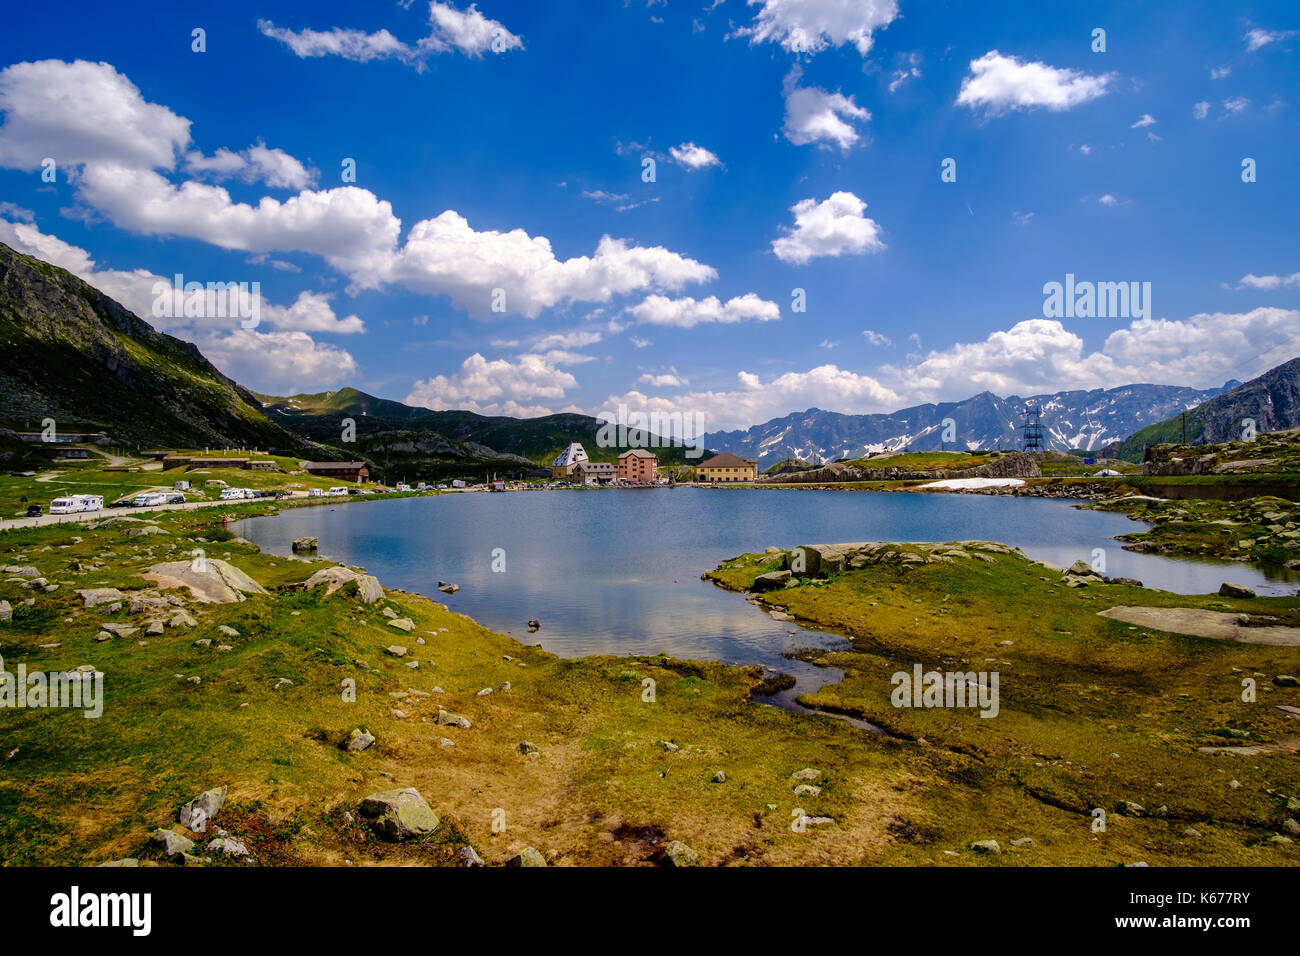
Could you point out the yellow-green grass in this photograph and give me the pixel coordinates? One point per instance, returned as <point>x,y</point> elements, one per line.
<point>1093,712</point>
<point>605,790</point>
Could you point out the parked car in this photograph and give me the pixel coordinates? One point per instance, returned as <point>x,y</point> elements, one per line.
<point>35,511</point>
<point>176,499</point>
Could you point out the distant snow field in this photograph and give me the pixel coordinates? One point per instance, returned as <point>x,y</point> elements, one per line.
<point>976,483</point>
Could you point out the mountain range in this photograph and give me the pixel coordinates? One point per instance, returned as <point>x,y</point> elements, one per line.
<point>1270,403</point>
<point>70,353</point>
<point>1085,420</point>
<point>407,440</point>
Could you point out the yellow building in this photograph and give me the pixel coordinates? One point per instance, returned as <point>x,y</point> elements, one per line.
<point>727,467</point>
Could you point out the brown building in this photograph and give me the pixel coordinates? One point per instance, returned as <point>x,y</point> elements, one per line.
<point>638,467</point>
<point>345,470</point>
<point>594,473</point>
<point>727,467</point>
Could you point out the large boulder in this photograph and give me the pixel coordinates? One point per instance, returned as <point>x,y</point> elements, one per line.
<point>196,814</point>
<point>811,560</point>
<point>399,814</point>
<point>332,578</point>
<point>1228,589</point>
<point>306,543</point>
<point>210,580</point>
<point>771,581</point>
<point>92,597</point>
<point>368,589</point>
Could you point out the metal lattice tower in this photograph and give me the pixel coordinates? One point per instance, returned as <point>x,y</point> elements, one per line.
<point>1031,438</point>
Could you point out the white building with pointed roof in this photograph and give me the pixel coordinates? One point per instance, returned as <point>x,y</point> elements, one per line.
<point>568,459</point>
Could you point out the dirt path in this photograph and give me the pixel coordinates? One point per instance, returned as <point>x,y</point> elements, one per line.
<point>1216,625</point>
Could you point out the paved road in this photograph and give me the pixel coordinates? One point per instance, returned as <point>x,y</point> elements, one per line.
<point>11,523</point>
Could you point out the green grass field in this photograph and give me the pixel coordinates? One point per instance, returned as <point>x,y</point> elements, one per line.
<point>1093,713</point>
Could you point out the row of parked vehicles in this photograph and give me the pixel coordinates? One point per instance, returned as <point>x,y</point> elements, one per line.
<point>75,504</point>
<point>239,494</point>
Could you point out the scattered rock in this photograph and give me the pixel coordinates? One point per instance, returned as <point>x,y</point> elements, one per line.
<point>399,814</point>
<point>447,719</point>
<point>527,857</point>
<point>359,740</point>
<point>402,624</point>
<point>396,650</point>
<point>93,597</point>
<point>678,854</point>
<point>228,846</point>
<point>171,844</point>
<point>987,846</point>
<point>527,747</point>
<point>719,777</point>
<point>196,814</point>
<point>468,856</point>
<point>305,543</point>
<point>1228,589</point>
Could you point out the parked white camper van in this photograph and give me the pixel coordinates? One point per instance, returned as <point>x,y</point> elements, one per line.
<point>76,503</point>
<point>339,491</point>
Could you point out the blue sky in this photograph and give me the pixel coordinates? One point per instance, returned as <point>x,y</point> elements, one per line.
<point>796,145</point>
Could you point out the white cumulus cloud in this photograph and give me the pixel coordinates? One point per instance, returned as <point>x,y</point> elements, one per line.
<point>998,83</point>
<point>496,387</point>
<point>693,157</point>
<point>687,312</point>
<point>813,115</point>
<point>832,227</point>
<point>810,26</point>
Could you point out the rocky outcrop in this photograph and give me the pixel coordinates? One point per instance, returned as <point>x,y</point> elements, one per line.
<point>210,580</point>
<point>398,815</point>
